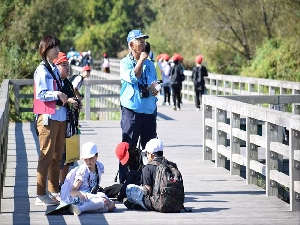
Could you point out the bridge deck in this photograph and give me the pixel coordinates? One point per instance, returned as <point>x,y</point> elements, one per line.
<point>215,196</point>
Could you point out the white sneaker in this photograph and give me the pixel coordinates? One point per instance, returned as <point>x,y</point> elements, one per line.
<point>75,210</point>
<point>167,103</point>
<point>54,196</point>
<point>163,103</point>
<point>178,109</point>
<point>198,109</point>
<point>45,200</point>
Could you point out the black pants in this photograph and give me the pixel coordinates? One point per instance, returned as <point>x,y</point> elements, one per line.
<point>176,88</point>
<point>198,89</point>
<point>134,126</point>
<point>167,94</point>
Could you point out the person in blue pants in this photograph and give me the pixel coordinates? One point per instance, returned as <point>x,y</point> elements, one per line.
<point>138,95</point>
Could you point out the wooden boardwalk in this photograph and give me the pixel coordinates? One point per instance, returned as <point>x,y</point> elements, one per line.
<point>215,196</point>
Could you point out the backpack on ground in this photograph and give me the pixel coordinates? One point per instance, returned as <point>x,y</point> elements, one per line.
<point>168,190</point>
<point>72,78</point>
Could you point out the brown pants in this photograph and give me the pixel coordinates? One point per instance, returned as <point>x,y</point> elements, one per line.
<point>52,141</point>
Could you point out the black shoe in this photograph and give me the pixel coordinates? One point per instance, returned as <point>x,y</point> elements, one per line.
<point>130,205</point>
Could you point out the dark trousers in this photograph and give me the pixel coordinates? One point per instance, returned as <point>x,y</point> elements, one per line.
<point>167,94</point>
<point>198,89</point>
<point>134,126</point>
<point>176,88</point>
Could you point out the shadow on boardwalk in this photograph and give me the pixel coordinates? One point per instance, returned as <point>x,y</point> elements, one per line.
<point>215,196</point>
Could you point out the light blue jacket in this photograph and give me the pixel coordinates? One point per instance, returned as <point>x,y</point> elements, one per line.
<point>130,93</point>
<point>45,91</point>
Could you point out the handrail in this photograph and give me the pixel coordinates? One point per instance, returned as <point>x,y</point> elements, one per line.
<point>4,121</point>
<point>216,130</point>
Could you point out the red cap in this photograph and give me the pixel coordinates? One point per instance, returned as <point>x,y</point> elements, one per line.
<point>104,54</point>
<point>122,152</point>
<point>166,57</point>
<point>86,68</point>
<point>61,58</point>
<point>176,57</point>
<point>199,59</point>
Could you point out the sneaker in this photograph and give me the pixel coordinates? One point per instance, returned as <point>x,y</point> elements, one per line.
<point>75,210</point>
<point>178,109</point>
<point>54,196</point>
<point>45,200</point>
<point>198,109</point>
<point>130,205</point>
<point>163,103</point>
<point>167,103</point>
<point>174,107</point>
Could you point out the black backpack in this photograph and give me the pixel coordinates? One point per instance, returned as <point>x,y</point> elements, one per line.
<point>168,191</point>
<point>177,75</point>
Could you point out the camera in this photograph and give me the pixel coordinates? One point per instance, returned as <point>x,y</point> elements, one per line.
<point>144,93</point>
<point>79,103</point>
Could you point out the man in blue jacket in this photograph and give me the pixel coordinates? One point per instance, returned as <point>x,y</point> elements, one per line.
<point>138,95</point>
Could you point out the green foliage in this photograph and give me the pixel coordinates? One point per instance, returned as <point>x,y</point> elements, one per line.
<point>229,34</point>
<point>276,59</point>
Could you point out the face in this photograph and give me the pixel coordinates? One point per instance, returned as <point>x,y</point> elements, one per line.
<point>86,73</point>
<point>149,156</point>
<point>138,45</point>
<point>64,69</point>
<point>91,162</point>
<point>52,53</point>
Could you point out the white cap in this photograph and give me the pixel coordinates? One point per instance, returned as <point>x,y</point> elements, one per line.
<point>88,150</point>
<point>154,145</point>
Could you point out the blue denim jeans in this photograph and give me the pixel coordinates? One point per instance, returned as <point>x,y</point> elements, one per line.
<point>135,194</point>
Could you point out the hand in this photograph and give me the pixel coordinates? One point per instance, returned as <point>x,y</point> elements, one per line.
<point>154,92</point>
<point>143,56</point>
<point>76,103</point>
<point>63,97</point>
<point>82,196</point>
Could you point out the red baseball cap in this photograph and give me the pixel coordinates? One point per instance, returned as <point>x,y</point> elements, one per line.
<point>122,152</point>
<point>62,57</point>
<point>86,68</point>
<point>199,59</point>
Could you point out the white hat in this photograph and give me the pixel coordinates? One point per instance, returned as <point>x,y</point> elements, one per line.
<point>154,145</point>
<point>88,150</point>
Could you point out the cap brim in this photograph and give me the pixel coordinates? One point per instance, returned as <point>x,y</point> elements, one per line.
<point>142,36</point>
<point>125,159</point>
<point>88,156</point>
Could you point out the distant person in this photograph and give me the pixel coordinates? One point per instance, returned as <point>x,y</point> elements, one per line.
<point>87,59</point>
<point>198,74</point>
<point>105,64</point>
<point>78,81</point>
<point>74,57</point>
<point>49,101</point>
<point>176,78</point>
<point>165,68</point>
<point>63,66</point>
<point>138,95</point>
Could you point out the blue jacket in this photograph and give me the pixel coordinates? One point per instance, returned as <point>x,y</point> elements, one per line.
<point>130,93</point>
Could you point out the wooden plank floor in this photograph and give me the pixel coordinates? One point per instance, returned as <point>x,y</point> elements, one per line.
<point>215,196</point>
